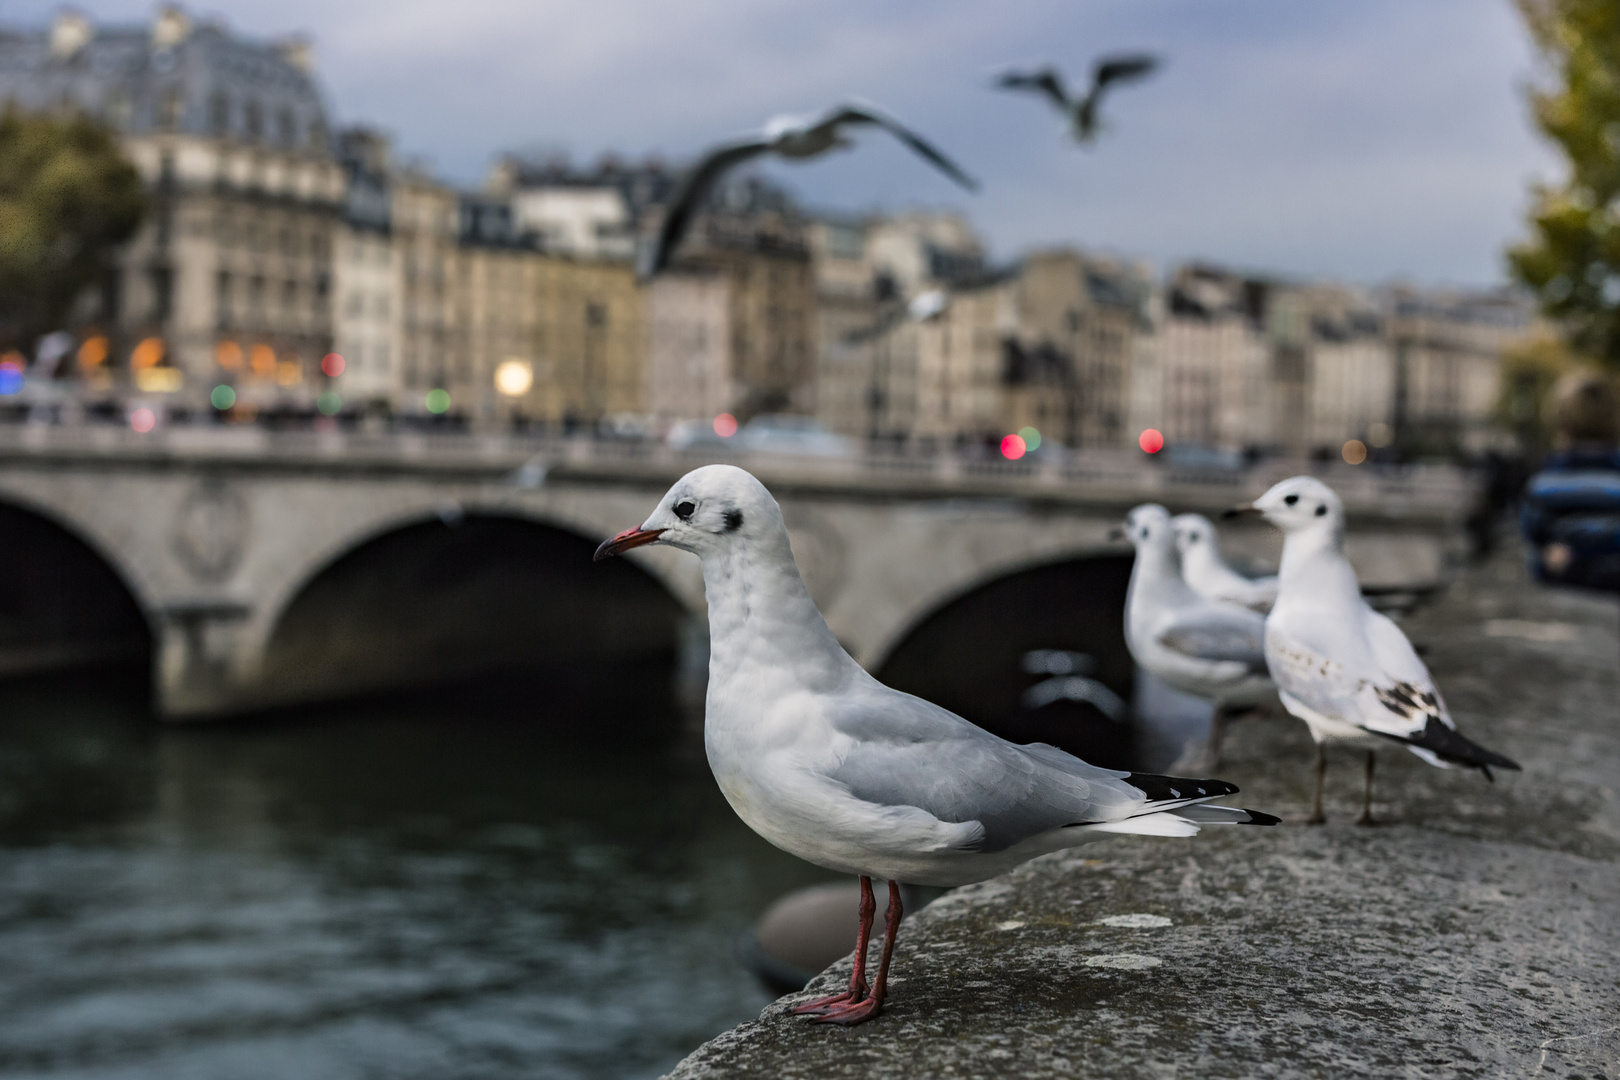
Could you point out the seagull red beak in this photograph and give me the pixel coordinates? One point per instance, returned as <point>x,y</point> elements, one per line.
<point>630,538</point>
<point>1246,510</point>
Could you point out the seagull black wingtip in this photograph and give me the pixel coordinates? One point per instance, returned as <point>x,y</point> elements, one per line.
<point>1258,818</point>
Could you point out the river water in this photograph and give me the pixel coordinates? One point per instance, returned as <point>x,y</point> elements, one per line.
<point>389,893</point>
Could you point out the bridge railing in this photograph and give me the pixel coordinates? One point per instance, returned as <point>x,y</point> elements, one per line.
<point>1421,490</point>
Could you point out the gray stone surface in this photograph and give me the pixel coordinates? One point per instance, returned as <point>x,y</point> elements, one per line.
<point>1475,934</point>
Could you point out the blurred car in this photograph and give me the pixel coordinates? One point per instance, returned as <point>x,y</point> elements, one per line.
<point>698,435</point>
<point>1570,516</point>
<point>781,433</point>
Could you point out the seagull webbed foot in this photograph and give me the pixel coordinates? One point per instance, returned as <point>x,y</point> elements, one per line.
<point>858,1012</point>
<point>852,996</point>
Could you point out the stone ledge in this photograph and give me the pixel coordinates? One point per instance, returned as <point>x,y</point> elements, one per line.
<point>1476,935</point>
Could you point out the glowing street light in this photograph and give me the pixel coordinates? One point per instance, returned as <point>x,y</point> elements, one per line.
<point>513,377</point>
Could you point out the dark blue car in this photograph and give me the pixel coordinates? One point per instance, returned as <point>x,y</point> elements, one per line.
<point>1570,515</point>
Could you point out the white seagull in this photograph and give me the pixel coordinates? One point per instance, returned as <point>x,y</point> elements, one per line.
<point>1080,112</point>
<point>792,137</point>
<point>1208,648</point>
<point>1207,573</point>
<point>827,763</point>
<point>1340,666</point>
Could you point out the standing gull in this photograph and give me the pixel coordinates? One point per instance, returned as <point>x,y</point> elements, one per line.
<point>1340,666</point>
<point>1208,648</point>
<point>1207,573</point>
<point>792,137</point>
<point>1081,112</point>
<point>830,765</point>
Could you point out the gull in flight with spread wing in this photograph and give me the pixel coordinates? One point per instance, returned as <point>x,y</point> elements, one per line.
<point>827,763</point>
<point>1081,112</point>
<point>1207,573</point>
<point>1208,648</point>
<point>1340,666</point>
<point>793,137</point>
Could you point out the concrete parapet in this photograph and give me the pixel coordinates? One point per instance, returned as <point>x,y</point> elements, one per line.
<point>1475,934</point>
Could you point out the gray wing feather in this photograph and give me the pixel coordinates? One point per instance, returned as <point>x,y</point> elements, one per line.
<point>689,195</point>
<point>867,114</point>
<point>1227,632</point>
<point>1045,81</point>
<point>908,752</point>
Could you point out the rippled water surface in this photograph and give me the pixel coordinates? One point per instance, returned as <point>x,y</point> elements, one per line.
<point>393,894</point>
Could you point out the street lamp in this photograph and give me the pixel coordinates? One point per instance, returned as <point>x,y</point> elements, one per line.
<point>514,377</point>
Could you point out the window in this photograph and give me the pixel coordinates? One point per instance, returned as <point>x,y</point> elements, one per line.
<point>219,113</point>
<point>289,296</point>
<point>253,121</point>
<point>284,127</point>
<point>162,279</point>
<point>169,108</point>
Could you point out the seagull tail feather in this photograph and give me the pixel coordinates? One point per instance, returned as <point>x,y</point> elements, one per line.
<point>1437,741</point>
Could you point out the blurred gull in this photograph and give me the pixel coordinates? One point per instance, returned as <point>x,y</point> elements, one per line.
<point>1208,648</point>
<point>790,137</point>
<point>829,764</point>
<point>1207,573</point>
<point>1081,112</point>
<point>1340,666</point>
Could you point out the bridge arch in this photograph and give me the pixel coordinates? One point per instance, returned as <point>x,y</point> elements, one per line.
<point>64,601</point>
<point>506,604</point>
<point>967,652</point>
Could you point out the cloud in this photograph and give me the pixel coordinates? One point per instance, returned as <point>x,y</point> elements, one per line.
<point>1315,137</point>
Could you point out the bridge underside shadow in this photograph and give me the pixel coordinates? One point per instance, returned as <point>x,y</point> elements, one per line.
<point>968,655</point>
<point>498,615</point>
<point>62,607</point>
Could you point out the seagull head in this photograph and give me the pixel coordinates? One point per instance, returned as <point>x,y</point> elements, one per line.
<point>1148,526</point>
<point>707,511</point>
<point>1298,504</point>
<point>1192,530</point>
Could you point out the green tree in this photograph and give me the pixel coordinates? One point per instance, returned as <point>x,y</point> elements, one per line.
<point>68,198</point>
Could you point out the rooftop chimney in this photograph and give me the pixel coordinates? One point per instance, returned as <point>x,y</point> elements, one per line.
<point>70,32</point>
<point>171,28</point>
<point>298,52</point>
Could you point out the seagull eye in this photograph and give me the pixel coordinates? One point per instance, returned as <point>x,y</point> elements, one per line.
<point>685,509</point>
<point>1321,509</point>
<point>1291,499</point>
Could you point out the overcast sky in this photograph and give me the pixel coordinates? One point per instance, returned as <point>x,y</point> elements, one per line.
<point>1369,141</point>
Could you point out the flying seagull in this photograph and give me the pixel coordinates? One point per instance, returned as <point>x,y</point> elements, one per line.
<point>827,763</point>
<point>1340,666</point>
<point>1208,648</point>
<point>1081,112</point>
<point>1207,573</point>
<point>792,137</point>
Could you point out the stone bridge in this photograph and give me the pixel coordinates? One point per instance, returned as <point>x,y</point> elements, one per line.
<point>268,569</point>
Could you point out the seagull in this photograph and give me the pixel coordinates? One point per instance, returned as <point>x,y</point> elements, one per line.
<point>791,137</point>
<point>1207,573</point>
<point>828,764</point>
<point>1340,666</point>
<point>1082,112</point>
<point>1211,649</point>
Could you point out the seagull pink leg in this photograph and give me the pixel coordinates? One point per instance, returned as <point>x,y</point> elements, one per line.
<point>857,979</point>
<point>861,1011</point>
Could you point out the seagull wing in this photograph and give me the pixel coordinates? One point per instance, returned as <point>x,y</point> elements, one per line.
<point>688,196</point>
<point>1112,69</point>
<point>1045,81</point>
<point>1363,671</point>
<point>1217,632</point>
<point>866,114</point>
<point>907,752</point>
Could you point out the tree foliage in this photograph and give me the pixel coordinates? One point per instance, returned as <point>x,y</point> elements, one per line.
<point>68,199</point>
<point>1572,260</point>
